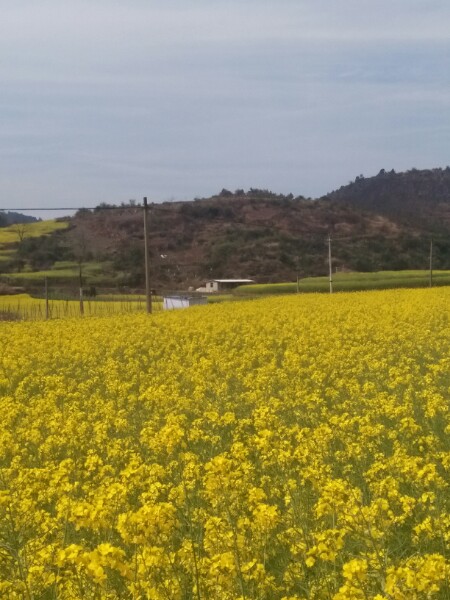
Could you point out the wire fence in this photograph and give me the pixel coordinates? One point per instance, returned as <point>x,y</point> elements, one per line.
<point>107,302</point>
<point>27,308</point>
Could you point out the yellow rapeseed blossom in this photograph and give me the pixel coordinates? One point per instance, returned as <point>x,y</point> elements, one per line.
<point>286,449</point>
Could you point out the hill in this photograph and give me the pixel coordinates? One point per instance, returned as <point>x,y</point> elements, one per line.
<point>379,223</point>
<point>257,235</point>
<point>420,198</point>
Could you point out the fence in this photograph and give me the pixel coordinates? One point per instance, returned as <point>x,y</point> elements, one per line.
<point>25,307</point>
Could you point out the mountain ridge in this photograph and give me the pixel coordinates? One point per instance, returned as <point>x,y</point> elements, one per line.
<point>413,197</point>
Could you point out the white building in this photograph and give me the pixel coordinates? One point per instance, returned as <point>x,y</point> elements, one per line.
<point>173,302</point>
<point>222,285</point>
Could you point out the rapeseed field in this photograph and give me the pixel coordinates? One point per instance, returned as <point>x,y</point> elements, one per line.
<point>292,448</point>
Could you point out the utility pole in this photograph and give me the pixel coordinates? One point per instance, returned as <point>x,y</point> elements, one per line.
<point>81,292</point>
<point>329,264</point>
<point>148,292</point>
<point>431,262</point>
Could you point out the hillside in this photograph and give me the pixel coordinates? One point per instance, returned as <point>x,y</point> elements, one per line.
<point>379,223</point>
<point>257,235</point>
<point>417,198</point>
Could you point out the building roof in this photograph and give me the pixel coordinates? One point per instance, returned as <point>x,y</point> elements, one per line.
<point>232,280</point>
<point>182,297</point>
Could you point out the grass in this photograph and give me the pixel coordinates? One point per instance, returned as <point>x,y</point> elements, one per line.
<point>350,282</point>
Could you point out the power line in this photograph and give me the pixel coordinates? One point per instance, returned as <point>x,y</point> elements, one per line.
<point>59,208</point>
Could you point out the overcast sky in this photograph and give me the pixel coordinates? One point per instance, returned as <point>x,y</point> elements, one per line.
<point>105,101</point>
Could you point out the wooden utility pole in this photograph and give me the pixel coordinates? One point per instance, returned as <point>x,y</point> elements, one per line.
<point>329,265</point>
<point>431,262</point>
<point>148,292</point>
<point>81,292</point>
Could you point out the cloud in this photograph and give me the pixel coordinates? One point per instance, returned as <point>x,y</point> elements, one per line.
<point>106,100</point>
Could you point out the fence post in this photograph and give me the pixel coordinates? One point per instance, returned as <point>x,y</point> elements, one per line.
<point>47,312</point>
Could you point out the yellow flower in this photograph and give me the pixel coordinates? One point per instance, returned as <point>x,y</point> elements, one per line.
<point>290,448</point>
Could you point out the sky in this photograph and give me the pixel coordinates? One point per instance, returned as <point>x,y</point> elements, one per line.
<point>107,101</point>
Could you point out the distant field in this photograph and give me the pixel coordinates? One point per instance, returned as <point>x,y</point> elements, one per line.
<point>351,282</point>
<point>10,234</point>
<point>93,274</point>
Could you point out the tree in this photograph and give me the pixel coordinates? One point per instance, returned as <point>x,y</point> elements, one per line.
<point>20,229</point>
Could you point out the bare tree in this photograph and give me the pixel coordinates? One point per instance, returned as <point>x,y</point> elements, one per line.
<point>20,229</point>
